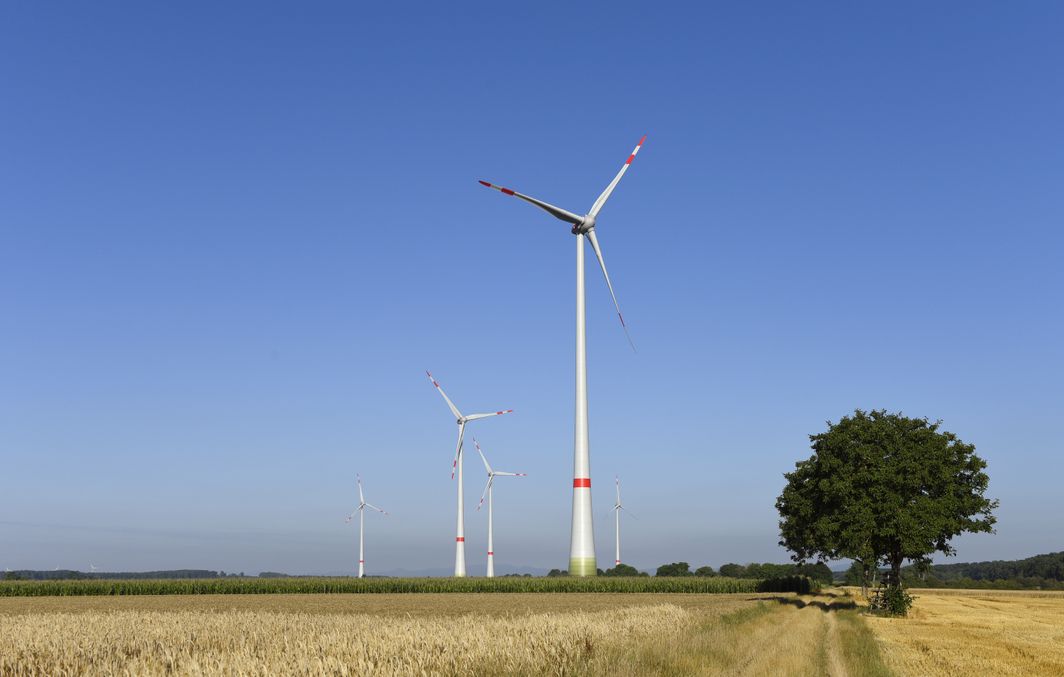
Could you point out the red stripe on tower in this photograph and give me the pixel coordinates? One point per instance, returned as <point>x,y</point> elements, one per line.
<point>491,553</point>
<point>361,561</point>
<point>581,483</point>
<point>460,539</point>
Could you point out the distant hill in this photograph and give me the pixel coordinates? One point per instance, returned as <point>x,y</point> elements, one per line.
<point>63,574</point>
<point>1040,571</point>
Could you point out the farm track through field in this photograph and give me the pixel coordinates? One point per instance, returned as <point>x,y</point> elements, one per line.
<point>782,635</point>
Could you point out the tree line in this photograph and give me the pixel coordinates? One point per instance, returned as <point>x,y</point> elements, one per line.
<point>818,572</point>
<point>1041,572</point>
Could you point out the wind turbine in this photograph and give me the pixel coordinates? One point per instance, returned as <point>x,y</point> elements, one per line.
<point>582,540</point>
<point>617,508</point>
<point>92,568</point>
<point>459,541</point>
<point>492,474</point>
<point>361,510</point>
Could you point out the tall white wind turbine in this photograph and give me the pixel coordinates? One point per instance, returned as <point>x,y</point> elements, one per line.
<point>492,474</point>
<point>582,541</point>
<point>361,510</point>
<point>459,540</point>
<point>617,508</point>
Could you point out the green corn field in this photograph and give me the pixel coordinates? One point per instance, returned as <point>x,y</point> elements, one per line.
<point>312,585</point>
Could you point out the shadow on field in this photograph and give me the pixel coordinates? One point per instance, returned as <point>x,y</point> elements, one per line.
<point>823,606</point>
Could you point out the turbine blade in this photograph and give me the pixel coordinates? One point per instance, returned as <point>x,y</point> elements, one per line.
<point>474,417</point>
<point>628,511</point>
<point>370,505</point>
<point>454,409</point>
<point>351,516</point>
<point>482,457</point>
<point>361,498</point>
<point>556,212</point>
<point>510,474</point>
<point>618,479</point>
<point>491,478</point>
<point>458,449</point>
<point>598,252</point>
<point>601,201</point>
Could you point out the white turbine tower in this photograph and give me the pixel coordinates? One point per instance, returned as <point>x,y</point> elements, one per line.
<point>617,508</point>
<point>582,542</point>
<point>459,540</point>
<point>492,474</point>
<point>361,510</point>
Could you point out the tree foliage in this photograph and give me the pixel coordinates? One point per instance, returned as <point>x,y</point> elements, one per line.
<point>883,488</point>
<point>674,569</point>
<point>623,570</point>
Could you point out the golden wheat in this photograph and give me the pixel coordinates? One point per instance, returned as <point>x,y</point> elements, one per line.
<point>270,643</point>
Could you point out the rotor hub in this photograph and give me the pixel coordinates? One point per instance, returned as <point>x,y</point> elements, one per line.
<point>584,226</point>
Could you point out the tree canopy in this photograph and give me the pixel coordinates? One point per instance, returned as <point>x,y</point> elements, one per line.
<point>623,570</point>
<point>674,569</point>
<point>883,488</point>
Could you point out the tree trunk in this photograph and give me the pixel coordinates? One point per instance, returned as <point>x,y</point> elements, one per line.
<point>895,569</point>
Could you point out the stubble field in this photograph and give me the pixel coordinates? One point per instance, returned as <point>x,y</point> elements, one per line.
<point>976,632</point>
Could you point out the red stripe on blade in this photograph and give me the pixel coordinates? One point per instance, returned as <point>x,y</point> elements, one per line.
<point>484,183</point>
<point>582,483</point>
<point>630,158</point>
<point>507,191</point>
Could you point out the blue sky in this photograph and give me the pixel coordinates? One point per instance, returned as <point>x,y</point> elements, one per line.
<point>233,239</point>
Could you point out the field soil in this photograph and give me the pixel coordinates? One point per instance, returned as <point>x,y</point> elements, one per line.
<point>976,632</point>
<point>446,634</point>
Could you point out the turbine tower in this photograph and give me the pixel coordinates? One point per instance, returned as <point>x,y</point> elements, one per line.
<point>582,541</point>
<point>459,540</point>
<point>361,510</point>
<point>492,474</point>
<point>617,508</point>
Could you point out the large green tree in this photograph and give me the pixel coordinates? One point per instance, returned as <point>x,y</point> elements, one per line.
<point>882,488</point>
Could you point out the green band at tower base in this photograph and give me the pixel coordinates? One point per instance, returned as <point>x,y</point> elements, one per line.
<point>582,566</point>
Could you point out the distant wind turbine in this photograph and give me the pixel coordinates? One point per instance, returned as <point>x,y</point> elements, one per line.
<point>361,509</point>
<point>492,474</point>
<point>617,508</point>
<point>582,537</point>
<point>459,549</point>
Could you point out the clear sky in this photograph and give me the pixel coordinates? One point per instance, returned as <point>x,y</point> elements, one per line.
<point>232,239</point>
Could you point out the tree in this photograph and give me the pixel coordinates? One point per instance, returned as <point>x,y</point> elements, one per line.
<point>883,488</point>
<point>705,571</point>
<point>557,572</point>
<point>674,569</point>
<point>622,570</point>
<point>733,570</point>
